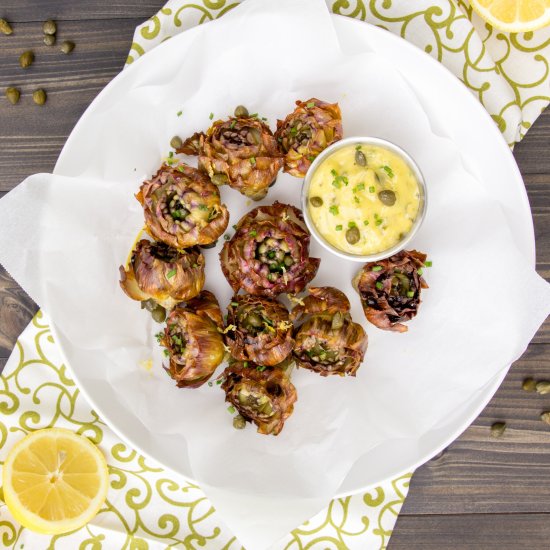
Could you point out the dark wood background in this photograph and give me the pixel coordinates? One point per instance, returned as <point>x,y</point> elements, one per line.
<point>480,492</point>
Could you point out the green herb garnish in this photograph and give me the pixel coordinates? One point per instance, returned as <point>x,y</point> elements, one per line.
<point>253,233</point>
<point>410,294</point>
<point>359,187</point>
<point>351,224</point>
<point>379,285</point>
<point>179,113</point>
<point>334,210</point>
<point>231,409</point>
<point>252,160</point>
<point>310,104</point>
<point>338,228</point>
<point>388,170</point>
<point>171,273</point>
<point>427,263</point>
<point>372,189</point>
<point>211,116</point>
<point>377,268</point>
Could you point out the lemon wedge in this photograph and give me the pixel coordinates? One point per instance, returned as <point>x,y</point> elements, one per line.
<point>55,481</point>
<point>514,15</point>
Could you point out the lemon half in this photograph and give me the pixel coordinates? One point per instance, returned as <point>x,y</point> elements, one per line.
<point>55,481</point>
<point>514,15</point>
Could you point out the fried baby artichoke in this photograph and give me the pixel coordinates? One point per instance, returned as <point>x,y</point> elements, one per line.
<point>269,252</point>
<point>241,152</point>
<point>182,207</point>
<point>263,395</point>
<point>307,131</point>
<point>390,289</point>
<point>327,340</point>
<point>193,342</point>
<point>258,330</point>
<point>163,274</point>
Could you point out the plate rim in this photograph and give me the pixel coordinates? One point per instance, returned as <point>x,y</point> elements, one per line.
<point>444,72</point>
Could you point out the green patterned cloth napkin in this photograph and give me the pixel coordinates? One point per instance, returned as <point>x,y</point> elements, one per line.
<point>150,508</point>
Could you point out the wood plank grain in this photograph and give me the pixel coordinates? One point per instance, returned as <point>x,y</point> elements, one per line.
<point>16,311</point>
<point>472,532</point>
<point>71,10</point>
<point>532,153</point>
<point>481,474</point>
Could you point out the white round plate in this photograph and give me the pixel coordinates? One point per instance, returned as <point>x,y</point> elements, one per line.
<point>485,154</point>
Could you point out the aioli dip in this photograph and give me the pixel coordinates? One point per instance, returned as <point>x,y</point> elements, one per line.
<point>363,199</point>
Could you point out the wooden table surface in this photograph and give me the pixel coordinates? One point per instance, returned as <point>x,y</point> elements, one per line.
<point>479,493</point>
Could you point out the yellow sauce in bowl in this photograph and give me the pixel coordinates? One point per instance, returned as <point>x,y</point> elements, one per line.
<point>363,199</point>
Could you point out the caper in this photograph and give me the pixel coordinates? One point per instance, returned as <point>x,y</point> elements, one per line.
<point>158,314</point>
<point>176,142</point>
<point>360,158</point>
<point>543,387</point>
<point>337,321</point>
<point>529,384</point>
<point>26,59</point>
<point>288,260</point>
<point>262,249</point>
<point>67,46</point>
<point>545,417</point>
<point>353,235</point>
<point>149,305</point>
<point>39,96</point>
<point>219,179</point>
<point>210,245</point>
<point>254,320</point>
<point>5,27</point>
<point>49,39</point>
<point>498,428</point>
<point>387,197</point>
<point>271,277</point>
<point>13,95</point>
<point>241,111</point>
<point>49,27</point>
<point>316,201</point>
<point>239,423</point>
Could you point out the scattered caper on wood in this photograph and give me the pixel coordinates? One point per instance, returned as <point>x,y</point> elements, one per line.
<point>543,387</point>
<point>39,96</point>
<point>241,111</point>
<point>176,142</point>
<point>545,417</point>
<point>353,235</point>
<point>387,197</point>
<point>239,423</point>
<point>498,428</point>
<point>49,27</point>
<point>26,59</point>
<point>67,46</point>
<point>5,27</point>
<point>360,158</point>
<point>49,39</point>
<point>316,201</point>
<point>529,384</point>
<point>13,95</point>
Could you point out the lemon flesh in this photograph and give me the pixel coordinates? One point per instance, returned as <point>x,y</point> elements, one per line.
<point>54,481</point>
<point>514,15</point>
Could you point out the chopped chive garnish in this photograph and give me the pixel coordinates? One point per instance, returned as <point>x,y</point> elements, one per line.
<point>264,118</point>
<point>379,221</point>
<point>171,273</point>
<point>359,187</point>
<point>334,172</point>
<point>365,222</point>
<point>252,160</point>
<point>410,294</point>
<point>231,409</point>
<point>253,233</point>
<point>311,158</point>
<point>356,199</point>
<point>232,125</point>
<point>170,154</point>
<point>203,207</point>
<point>379,285</point>
<point>351,224</point>
<point>357,147</point>
<point>377,268</point>
<point>388,171</point>
<point>195,265</point>
<point>211,116</point>
<point>179,113</point>
<point>338,228</point>
<point>234,304</point>
<point>428,263</point>
<point>420,271</point>
<point>245,364</point>
<point>254,115</point>
<point>372,189</point>
<point>261,368</point>
<point>334,210</point>
<point>337,184</point>
<point>166,352</point>
<point>310,104</point>
<point>219,381</point>
<point>293,130</point>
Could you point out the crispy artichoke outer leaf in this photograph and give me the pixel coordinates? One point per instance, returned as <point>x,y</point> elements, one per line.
<point>192,145</point>
<point>201,196</point>
<point>350,342</point>
<point>206,303</point>
<point>270,346</point>
<point>265,397</point>
<point>375,301</point>
<point>204,348</point>
<point>322,299</point>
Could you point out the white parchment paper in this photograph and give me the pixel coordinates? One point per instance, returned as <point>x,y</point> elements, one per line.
<point>63,237</point>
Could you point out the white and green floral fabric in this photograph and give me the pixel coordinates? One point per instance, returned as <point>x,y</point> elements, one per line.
<point>148,507</point>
